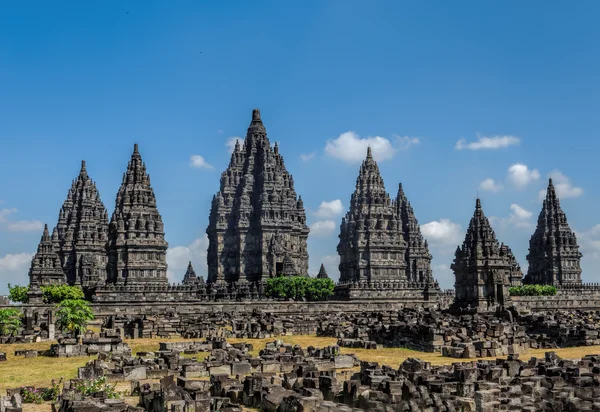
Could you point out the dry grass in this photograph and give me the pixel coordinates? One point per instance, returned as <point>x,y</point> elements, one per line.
<point>18,371</point>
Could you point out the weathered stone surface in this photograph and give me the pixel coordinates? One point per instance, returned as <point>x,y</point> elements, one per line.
<point>136,239</point>
<point>82,232</point>
<point>554,256</point>
<point>483,268</point>
<point>256,219</point>
<point>46,268</point>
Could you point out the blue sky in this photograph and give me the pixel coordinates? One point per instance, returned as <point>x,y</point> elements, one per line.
<point>448,94</point>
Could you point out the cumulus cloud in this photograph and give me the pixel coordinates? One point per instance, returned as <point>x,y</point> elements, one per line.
<point>25,226</point>
<point>199,162</point>
<point>305,157</point>
<point>14,268</point>
<point>405,142</point>
<point>328,210</point>
<point>231,143</point>
<point>179,256</point>
<point>350,148</point>
<point>322,228</point>
<point>443,232</point>
<point>520,175</point>
<point>518,217</point>
<point>489,143</point>
<point>563,186</point>
<point>490,185</point>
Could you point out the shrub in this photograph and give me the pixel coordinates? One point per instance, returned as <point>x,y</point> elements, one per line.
<point>58,293</point>
<point>51,393</point>
<point>532,290</point>
<point>18,294</point>
<point>73,315</point>
<point>31,395</point>
<point>92,386</point>
<point>299,287</point>
<point>10,321</point>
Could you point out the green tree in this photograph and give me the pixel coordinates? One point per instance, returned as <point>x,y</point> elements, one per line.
<point>58,293</point>
<point>74,315</point>
<point>10,321</point>
<point>18,294</point>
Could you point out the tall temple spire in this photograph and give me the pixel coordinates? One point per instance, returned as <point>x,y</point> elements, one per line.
<point>554,256</point>
<point>46,268</point>
<point>482,267</point>
<point>371,247</point>
<point>418,258</point>
<point>81,232</point>
<point>136,241</point>
<point>256,218</point>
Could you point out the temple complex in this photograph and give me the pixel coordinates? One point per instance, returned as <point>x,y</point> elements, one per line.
<point>257,224</point>
<point>136,239</point>
<point>82,232</point>
<point>322,273</point>
<point>190,277</point>
<point>372,246</point>
<point>483,268</point>
<point>554,256</point>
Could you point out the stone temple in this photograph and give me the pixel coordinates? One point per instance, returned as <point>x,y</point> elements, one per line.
<point>554,256</point>
<point>380,241</point>
<point>484,268</point>
<point>81,233</point>
<point>257,224</point>
<point>137,249</point>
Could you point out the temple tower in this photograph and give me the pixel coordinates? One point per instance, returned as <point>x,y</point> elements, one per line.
<point>322,273</point>
<point>46,268</point>
<point>418,258</point>
<point>190,277</point>
<point>372,246</point>
<point>82,232</point>
<point>483,268</point>
<point>554,256</point>
<point>136,239</point>
<point>257,225</point>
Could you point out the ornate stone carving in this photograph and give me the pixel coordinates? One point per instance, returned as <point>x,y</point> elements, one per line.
<point>255,209</point>
<point>136,254</point>
<point>554,257</point>
<point>82,230</point>
<point>482,267</point>
<point>46,268</point>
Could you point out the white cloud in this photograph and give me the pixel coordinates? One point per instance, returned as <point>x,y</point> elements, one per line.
<point>25,226</point>
<point>179,256</point>
<point>485,142</point>
<point>350,148</point>
<point>4,213</point>
<point>490,185</point>
<point>328,210</point>
<point>563,186</point>
<point>442,231</point>
<point>231,143</point>
<point>14,268</point>
<point>518,217</point>
<point>308,156</point>
<point>199,162</point>
<point>405,142</point>
<point>322,228</point>
<point>520,175</point>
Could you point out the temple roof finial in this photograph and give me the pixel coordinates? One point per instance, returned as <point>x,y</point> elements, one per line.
<point>478,203</point>
<point>369,153</point>
<point>135,148</point>
<point>256,116</point>
<point>83,169</point>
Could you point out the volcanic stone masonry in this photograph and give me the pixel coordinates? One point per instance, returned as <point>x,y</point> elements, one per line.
<point>82,232</point>
<point>45,268</point>
<point>257,223</point>
<point>484,269</point>
<point>381,246</point>
<point>137,250</point>
<point>554,256</point>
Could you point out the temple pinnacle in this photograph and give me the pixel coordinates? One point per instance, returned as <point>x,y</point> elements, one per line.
<point>369,154</point>
<point>83,169</point>
<point>135,148</point>
<point>256,116</point>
